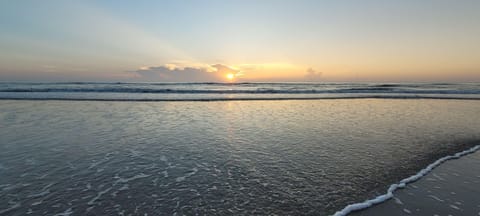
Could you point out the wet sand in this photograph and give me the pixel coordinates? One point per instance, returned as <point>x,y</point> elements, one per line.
<point>452,188</point>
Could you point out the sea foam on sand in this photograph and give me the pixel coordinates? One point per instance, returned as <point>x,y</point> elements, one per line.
<point>384,197</point>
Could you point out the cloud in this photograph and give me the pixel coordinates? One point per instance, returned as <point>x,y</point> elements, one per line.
<point>224,69</point>
<point>312,75</point>
<point>175,73</point>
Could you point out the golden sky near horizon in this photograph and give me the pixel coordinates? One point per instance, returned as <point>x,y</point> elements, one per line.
<point>347,41</point>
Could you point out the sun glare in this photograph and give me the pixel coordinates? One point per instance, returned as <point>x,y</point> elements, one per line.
<point>230,76</point>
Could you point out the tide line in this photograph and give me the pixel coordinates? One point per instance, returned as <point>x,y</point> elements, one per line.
<point>384,197</point>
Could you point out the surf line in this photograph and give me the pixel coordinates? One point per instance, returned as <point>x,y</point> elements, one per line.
<point>384,197</point>
<point>50,98</point>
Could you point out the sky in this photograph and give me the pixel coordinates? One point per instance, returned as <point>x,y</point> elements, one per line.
<point>240,40</point>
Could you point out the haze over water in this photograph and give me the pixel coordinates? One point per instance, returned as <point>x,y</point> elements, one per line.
<point>231,157</point>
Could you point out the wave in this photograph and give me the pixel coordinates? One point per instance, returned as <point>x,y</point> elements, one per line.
<point>259,90</point>
<point>234,91</point>
<point>384,197</point>
<point>267,98</point>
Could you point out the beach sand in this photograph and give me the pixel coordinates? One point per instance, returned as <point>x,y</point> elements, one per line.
<point>452,188</point>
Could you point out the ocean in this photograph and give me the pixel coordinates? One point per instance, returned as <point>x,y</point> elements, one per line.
<point>221,149</point>
<point>234,91</point>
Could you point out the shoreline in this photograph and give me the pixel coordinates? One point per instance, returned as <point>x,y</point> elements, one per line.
<point>356,207</point>
<point>413,97</point>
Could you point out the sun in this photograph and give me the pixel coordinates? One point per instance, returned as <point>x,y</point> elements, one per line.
<point>230,76</point>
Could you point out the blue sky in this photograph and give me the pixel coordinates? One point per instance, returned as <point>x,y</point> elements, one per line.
<point>431,40</point>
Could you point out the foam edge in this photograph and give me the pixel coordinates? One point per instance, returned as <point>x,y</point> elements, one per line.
<point>384,197</point>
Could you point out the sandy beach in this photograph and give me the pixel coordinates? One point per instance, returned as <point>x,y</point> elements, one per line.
<point>450,189</point>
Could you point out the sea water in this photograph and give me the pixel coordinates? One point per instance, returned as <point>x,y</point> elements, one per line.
<point>234,91</point>
<point>296,157</point>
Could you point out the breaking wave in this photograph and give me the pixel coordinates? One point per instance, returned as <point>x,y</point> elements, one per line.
<point>228,91</point>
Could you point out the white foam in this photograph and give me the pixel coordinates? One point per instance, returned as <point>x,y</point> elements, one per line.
<point>398,201</point>
<point>40,194</point>
<point>455,207</point>
<point>165,173</point>
<point>37,203</point>
<point>96,163</point>
<point>407,211</point>
<point>124,187</point>
<point>5,186</point>
<point>382,198</point>
<point>92,201</point>
<point>436,198</point>
<point>182,178</point>
<point>125,180</point>
<point>14,206</point>
<point>65,213</point>
<point>155,181</point>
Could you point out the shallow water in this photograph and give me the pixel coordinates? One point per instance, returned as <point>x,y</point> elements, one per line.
<point>230,157</point>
